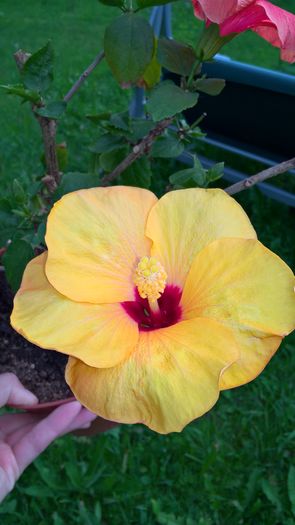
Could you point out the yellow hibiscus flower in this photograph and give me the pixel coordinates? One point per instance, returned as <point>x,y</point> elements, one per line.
<point>160,304</point>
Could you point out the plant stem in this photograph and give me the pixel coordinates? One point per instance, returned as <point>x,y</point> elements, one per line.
<point>83,77</point>
<point>48,129</point>
<point>283,167</point>
<point>138,151</point>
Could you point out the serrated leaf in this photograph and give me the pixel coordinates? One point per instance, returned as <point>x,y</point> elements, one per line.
<point>129,46</point>
<point>105,143</point>
<point>37,72</point>
<point>291,487</point>
<point>167,100</point>
<point>138,174</point>
<point>20,91</point>
<point>110,159</point>
<point>139,129</point>
<point>176,57</point>
<point>15,259</point>
<point>53,110</point>
<point>120,120</point>
<point>73,181</point>
<point>167,147</point>
<point>210,86</point>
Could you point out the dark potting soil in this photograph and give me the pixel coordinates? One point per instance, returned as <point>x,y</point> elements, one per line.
<point>41,371</point>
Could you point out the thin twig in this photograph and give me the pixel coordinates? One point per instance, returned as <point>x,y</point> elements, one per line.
<point>48,129</point>
<point>138,151</point>
<point>261,176</point>
<point>83,77</point>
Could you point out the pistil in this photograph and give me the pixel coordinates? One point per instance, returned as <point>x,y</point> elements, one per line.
<point>150,279</point>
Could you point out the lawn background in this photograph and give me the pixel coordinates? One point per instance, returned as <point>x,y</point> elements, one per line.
<point>233,466</point>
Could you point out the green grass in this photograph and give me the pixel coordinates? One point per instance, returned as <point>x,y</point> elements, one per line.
<point>230,467</point>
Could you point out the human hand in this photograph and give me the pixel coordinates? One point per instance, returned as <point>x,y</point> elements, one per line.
<point>24,436</point>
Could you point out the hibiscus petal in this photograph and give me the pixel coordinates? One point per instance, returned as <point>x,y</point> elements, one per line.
<point>283,34</point>
<point>272,23</point>
<point>170,379</point>
<point>183,222</point>
<point>243,284</point>
<point>99,335</point>
<point>256,350</point>
<point>95,238</point>
<point>214,10</point>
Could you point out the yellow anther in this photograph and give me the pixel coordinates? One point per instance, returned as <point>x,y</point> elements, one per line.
<point>150,278</point>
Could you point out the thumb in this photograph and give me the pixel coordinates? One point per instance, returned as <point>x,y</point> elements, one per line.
<point>13,392</point>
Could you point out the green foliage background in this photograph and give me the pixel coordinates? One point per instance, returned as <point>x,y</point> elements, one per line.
<point>233,466</point>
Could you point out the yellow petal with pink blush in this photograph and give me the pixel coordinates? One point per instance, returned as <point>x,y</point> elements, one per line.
<point>183,222</point>
<point>95,238</point>
<point>244,285</point>
<point>169,380</point>
<point>99,335</point>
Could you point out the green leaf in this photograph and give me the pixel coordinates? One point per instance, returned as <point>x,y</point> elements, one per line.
<point>15,259</point>
<point>167,147</point>
<point>143,4</point>
<point>73,181</point>
<point>183,179</point>
<point>167,99</point>
<point>139,129</point>
<point>216,172</point>
<point>272,494</point>
<point>210,86</point>
<point>112,3</point>
<point>138,174</point>
<point>18,191</point>
<point>191,177</point>
<point>291,487</point>
<point>99,118</point>
<point>110,159</point>
<point>105,143</point>
<point>176,57</point>
<point>129,46</point>
<point>152,74</point>
<point>37,72</point>
<point>53,110</point>
<point>8,223</point>
<point>62,156</point>
<point>120,120</point>
<point>20,91</point>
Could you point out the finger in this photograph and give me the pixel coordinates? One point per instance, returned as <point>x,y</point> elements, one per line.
<point>13,392</point>
<point>16,436</point>
<point>83,420</point>
<point>38,439</point>
<point>9,423</point>
<point>9,471</point>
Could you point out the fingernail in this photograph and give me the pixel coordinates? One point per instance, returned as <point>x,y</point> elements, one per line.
<point>87,425</point>
<point>29,397</point>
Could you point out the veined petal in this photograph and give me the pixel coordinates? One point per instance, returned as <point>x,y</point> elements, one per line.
<point>99,335</point>
<point>244,285</point>
<point>214,10</point>
<point>256,350</point>
<point>183,222</point>
<point>170,379</point>
<point>95,238</point>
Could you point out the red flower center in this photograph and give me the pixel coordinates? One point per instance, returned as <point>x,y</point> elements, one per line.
<point>170,309</point>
